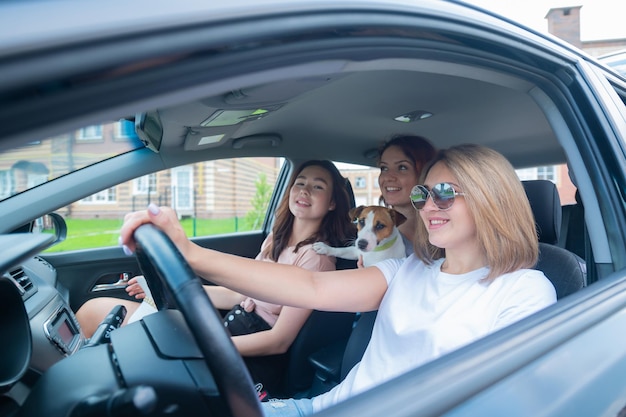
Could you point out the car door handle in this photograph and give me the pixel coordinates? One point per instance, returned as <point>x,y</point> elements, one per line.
<point>120,284</point>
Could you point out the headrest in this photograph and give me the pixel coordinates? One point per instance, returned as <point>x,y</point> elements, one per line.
<point>546,205</point>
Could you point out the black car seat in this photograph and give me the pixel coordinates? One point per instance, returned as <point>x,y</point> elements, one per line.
<point>563,268</point>
<point>333,362</point>
<point>321,329</point>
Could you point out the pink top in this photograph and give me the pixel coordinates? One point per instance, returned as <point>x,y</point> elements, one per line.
<point>305,258</point>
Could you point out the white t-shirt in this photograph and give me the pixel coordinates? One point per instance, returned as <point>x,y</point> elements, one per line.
<point>426,313</point>
<point>408,245</point>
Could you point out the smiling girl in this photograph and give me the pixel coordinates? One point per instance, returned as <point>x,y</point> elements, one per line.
<point>401,161</point>
<point>315,209</point>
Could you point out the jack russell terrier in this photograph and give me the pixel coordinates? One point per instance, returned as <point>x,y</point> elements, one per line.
<point>378,237</point>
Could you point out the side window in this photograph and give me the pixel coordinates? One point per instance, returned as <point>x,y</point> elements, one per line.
<point>558,174</point>
<point>211,198</point>
<point>364,180</point>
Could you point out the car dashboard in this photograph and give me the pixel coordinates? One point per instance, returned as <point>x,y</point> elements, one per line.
<point>48,369</point>
<point>43,330</point>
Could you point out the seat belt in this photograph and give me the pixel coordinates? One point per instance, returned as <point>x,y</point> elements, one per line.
<point>564,227</point>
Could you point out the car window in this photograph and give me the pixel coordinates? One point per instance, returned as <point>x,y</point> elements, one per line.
<point>364,181</point>
<point>558,174</point>
<point>45,160</point>
<point>211,198</point>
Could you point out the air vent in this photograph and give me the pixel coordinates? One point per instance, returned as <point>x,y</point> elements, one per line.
<point>22,279</point>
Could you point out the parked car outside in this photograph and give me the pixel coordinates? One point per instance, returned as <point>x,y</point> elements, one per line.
<point>208,108</point>
<point>615,60</point>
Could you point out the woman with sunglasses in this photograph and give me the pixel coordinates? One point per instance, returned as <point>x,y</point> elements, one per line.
<point>469,277</point>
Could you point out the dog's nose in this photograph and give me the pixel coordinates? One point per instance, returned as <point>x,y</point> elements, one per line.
<point>362,244</point>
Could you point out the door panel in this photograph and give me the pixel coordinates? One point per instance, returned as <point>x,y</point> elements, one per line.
<point>79,272</point>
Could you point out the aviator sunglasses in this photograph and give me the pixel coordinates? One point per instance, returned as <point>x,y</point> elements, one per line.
<point>443,195</point>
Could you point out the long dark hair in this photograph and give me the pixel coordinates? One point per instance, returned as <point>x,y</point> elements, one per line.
<point>417,148</point>
<point>336,228</point>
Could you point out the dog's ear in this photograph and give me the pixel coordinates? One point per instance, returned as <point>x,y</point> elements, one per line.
<point>398,218</point>
<point>355,212</point>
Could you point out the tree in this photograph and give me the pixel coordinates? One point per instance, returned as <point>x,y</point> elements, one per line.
<point>259,203</point>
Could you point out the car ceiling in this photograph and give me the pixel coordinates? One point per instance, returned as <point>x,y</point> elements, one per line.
<point>343,108</point>
<point>353,111</point>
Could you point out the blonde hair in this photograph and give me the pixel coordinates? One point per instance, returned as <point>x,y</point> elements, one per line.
<point>505,224</point>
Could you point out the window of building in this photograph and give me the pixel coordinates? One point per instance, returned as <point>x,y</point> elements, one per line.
<point>125,129</point>
<point>144,185</point>
<point>104,196</point>
<point>548,172</point>
<point>90,133</point>
<point>7,184</point>
<point>183,197</point>
<point>360,182</point>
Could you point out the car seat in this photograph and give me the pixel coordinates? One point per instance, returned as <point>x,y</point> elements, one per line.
<point>563,268</point>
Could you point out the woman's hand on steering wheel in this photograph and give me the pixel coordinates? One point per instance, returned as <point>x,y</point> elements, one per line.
<point>164,217</point>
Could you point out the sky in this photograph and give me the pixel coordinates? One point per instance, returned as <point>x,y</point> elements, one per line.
<point>599,19</point>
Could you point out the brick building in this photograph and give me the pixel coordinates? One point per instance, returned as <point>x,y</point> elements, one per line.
<point>565,22</point>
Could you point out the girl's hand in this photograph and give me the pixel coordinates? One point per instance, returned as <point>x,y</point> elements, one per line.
<point>134,289</point>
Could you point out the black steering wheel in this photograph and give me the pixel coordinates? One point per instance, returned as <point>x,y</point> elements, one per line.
<point>169,275</point>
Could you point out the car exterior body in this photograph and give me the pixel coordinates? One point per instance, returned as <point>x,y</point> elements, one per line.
<point>207,84</point>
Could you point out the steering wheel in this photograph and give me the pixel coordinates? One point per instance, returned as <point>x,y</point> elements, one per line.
<point>169,274</point>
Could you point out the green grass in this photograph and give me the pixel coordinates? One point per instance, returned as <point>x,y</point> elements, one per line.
<point>97,233</point>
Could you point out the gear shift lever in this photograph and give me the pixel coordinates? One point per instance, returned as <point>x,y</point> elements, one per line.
<point>112,321</point>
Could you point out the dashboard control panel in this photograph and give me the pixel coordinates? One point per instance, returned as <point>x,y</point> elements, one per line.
<point>63,331</point>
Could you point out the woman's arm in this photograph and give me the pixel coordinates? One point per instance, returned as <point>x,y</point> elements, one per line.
<point>349,290</point>
<point>289,285</point>
<point>223,298</point>
<point>276,340</point>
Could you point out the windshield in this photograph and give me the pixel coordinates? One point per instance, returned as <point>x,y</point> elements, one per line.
<point>38,162</point>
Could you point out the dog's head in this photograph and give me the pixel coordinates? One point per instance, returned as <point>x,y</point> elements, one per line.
<point>374,224</point>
